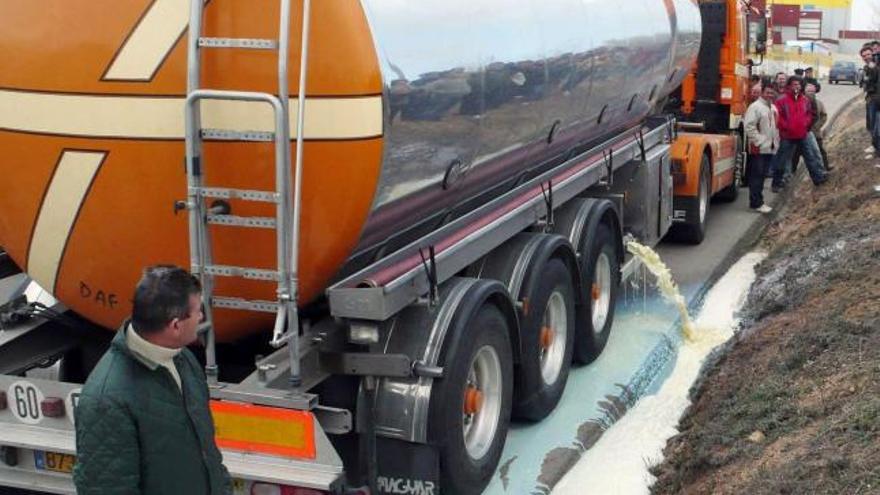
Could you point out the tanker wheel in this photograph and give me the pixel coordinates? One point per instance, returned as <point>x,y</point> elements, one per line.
<point>693,230</point>
<point>547,336</point>
<point>730,193</point>
<point>600,271</point>
<point>742,163</point>
<point>470,405</point>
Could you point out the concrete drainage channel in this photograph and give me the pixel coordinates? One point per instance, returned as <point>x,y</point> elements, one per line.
<point>538,456</point>
<point>620,460</point>
<point>645,322</point>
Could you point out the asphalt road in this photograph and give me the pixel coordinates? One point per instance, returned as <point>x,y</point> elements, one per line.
<point>693,266</point>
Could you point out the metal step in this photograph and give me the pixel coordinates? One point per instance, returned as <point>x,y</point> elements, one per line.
<point>240,271</point>
<point>245,194</point>
<point>249,43</point>
<point>244,304</point>
<point>229,135</point>
<point>237,221</point>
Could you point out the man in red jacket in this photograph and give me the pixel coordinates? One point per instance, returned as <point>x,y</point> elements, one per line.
<point>794,121</point>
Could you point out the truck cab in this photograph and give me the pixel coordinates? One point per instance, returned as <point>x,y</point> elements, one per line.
<point>709,157</point>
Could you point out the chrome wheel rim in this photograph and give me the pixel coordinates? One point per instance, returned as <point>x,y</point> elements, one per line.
<point>704,200</point>
<point>601,292</point>
<point>552,337</point>
<point>480,424</point>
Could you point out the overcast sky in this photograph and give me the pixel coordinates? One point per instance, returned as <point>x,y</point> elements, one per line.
<point>864,14</point>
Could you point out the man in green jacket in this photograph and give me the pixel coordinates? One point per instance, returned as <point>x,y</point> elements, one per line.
<point>142,422</point>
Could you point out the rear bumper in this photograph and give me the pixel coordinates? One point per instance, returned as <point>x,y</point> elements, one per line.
<point>843,77</point>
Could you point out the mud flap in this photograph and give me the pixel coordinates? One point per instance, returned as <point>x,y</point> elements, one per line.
<point>411,469</point>
<point>683,209</point>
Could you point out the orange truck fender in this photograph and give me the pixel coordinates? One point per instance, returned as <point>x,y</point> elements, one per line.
<point>687,155</point>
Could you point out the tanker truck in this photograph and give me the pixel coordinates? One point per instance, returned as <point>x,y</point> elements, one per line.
<point>408,218</point>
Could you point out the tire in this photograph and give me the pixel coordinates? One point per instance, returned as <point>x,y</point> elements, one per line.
<point>741,176</point>
<point>596,314</point>
<point>547,338</point>
<point>693,231</point>
<point>468,459</point>
<point>730,193</point>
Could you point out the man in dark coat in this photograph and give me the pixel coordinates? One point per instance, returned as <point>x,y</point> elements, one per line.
<point>809,78</point>
<point>820,117</point>
<point>869,85</point>
<point>142,423</point>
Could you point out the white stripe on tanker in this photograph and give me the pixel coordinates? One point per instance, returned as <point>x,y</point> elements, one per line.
<point>65,195</point>
<point>150,117</point>
<point>149,43</point>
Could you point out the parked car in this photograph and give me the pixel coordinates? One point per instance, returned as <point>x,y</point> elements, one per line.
<point>843,71</point>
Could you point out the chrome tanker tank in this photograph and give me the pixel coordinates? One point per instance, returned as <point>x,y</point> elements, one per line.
<point>416,112</point>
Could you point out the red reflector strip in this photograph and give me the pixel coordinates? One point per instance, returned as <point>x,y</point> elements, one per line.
<point>266,430</point>
<point>52,407</point>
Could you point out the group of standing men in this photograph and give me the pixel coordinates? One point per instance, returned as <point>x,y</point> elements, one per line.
<point>783,123</point>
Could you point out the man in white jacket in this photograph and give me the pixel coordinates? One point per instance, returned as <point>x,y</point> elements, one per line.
<point>763,139</point>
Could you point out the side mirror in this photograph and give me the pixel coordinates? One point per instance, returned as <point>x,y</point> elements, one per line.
<point>759,29</point>
<point>762,32</point>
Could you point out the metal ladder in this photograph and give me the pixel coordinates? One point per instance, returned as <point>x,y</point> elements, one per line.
<point>287,212</point>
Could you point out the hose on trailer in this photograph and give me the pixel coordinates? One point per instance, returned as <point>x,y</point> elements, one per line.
<point>19,311</point>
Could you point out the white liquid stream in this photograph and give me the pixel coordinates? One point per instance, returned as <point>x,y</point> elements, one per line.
<point>619,462</point>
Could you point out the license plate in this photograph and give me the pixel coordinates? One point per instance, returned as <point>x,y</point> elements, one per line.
<point>54,461</point>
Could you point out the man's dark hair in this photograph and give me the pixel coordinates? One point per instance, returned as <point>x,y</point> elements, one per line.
<point>161,295</point>
<point>793,79</point>
<point>798,72</point>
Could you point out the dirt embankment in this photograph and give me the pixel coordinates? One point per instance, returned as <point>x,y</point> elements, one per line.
<point>793,407</point>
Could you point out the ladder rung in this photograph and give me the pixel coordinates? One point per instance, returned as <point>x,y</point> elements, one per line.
<point>246,194</point>
<point>244,304</point>
<point>237,221</point>
<point>227,135</point>
<point>253,43</point>
<point>240,271</point>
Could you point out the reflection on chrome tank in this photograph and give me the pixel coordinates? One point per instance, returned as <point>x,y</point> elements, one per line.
<point>479,91</point>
